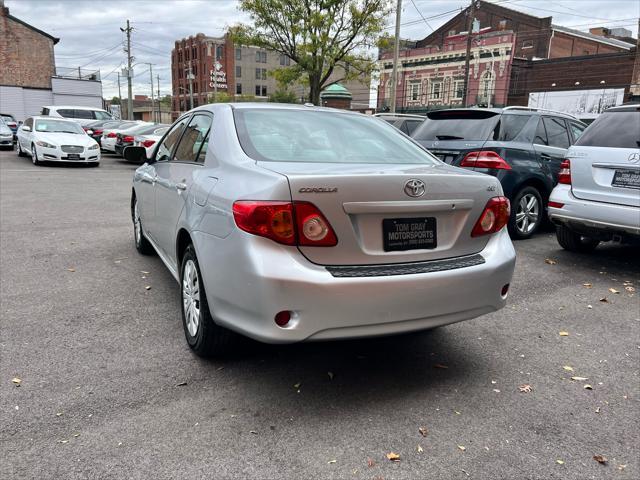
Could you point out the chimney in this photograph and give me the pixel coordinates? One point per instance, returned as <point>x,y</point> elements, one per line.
<point>4,11</point>
<point>600,31</point>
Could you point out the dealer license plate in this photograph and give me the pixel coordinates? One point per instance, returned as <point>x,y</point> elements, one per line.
<point>409,233</point>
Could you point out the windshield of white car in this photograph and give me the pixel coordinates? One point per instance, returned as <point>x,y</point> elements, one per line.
<point>288,135</point>
<point>58,126</point>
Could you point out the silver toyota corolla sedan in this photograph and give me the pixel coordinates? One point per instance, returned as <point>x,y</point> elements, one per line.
<point>292,223</point>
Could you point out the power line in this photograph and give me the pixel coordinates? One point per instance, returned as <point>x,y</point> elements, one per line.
<point>422,16</point>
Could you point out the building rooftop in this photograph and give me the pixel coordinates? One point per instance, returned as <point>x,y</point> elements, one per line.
<point>597,38</point>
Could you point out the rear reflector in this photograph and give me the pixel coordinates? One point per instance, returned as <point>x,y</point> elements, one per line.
<point>556,204</point>
<point>289,223</point>
<point>564,175</point>
<point>485,159</point>
<point>282,318</point>
<point>493,218</point>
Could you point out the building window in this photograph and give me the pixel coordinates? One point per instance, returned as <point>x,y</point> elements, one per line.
<point>257,90</point>
<point>194,53</point>
<point>258,74</point>
<point>414,91</point>
<point>238,71</point>
<point>195,69</point>
<point>527,44</point>
<point>219,50</point>
<point>285,61</point>
<point>238,54</point>
<point>261,57</point>
<point>486,86</point>
<point>458,89</point>
<point>238,89</point>
<point>264,74</point>
<point>436,90</point>
<point>264,90</point>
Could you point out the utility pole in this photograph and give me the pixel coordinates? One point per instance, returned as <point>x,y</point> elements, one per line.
<point>119,94</point>
<point>190,77</point>
<point>129,76</point>
<point>159,117</point>
<point>468,56</point>
<point>151,79</point>
<point>396,54</point>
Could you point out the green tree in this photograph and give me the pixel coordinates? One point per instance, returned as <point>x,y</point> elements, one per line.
<point>320,36</point>
<point>115,101</point>
<point>283,96</point>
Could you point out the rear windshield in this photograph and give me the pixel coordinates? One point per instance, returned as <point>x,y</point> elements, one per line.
<point>613,129</point>
<point>457,125</point>
<point>286,135</point>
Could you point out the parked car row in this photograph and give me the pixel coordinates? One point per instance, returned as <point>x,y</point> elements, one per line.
<point>6,134</point>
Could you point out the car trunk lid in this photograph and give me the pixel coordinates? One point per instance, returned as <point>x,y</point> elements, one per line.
<point>366,204</point>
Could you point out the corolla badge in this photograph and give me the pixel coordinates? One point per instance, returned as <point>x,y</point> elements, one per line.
<point>634,157</point>
<point>414,188</point>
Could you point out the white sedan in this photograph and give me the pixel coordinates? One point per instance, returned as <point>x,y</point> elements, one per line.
<point>49,139</point>
<point>109,137</point>
<point>149,141</point>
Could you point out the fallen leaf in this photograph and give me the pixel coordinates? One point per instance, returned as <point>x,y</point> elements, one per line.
<point>549,261</point>
<point>394,457</point>
<point>579,379</point>
<point>589,307</point>
<point>370,462</point>
<point>332,461</point>
<point>613,290</point>
<point>181,384</point>
<point>526,388</point>
<point>604,300</point>
<point>496,390</point>
<point>146,273</point>
<point>588,387</point>
<point>598,410</point>
<point>423,431</point>
<point>457,412</point>
<point>64,441</point>
<point>59,414</point>
<point>253,432</point>
<point>148,287</point>
<point>600,459</point>
<point>493,382</point>
<point>621,467</point>
<point>629,288</point>
<point>71,269</point>
<point>439,365</point>
<point>462,447</point>
<point>76,435</point>
<point>568,368</point>
<point>420,450</point>
<point>330,375</point>
<point>560,462</point>
<point>16,381</point>
<point>563,334</point>
<point>588,285</point>
<point>297,385</point>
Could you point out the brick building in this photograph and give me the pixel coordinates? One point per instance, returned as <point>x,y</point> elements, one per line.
<point>29,77</point>
<point>17,37</point>
<point>524,40</point>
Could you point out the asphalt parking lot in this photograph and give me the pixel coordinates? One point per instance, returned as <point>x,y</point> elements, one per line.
<point>109,389</point>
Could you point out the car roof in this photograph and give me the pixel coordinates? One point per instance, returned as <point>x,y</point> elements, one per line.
<point>629,107</point>
<point>271,106</point>
<point>75,107</point>
<point>514,110</point>
<point>400,116</point>
<point>57,119</point>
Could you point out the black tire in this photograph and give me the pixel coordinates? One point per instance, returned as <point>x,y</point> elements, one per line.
<point>206,339</point>
<point>20,151</point>
<point>34,155</point>
<point>525,228</point>
<point>142,244</point>
<point>574,242</point>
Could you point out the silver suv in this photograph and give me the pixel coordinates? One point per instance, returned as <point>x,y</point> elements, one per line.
<point>598,193</point>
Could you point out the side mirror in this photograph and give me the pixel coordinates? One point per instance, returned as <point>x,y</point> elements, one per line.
<point>26,128</point>
<point>135,154</point>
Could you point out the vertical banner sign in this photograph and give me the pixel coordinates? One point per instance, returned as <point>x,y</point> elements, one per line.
<point>218,76</point>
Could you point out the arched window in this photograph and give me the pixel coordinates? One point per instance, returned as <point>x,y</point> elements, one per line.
<point>487,84</point>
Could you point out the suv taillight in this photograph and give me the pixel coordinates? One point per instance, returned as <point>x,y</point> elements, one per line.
<point>148,143</point>
<point>127,138</point>
<point>564,175</point>
<point>485,159</point>
<point>494,216</point>
<point>111,135</point>
<point>289,223</point>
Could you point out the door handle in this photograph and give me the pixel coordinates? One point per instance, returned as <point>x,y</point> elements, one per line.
<point>181,186</point>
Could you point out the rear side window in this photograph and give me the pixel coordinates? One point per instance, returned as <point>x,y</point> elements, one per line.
<point>613,129</point>
<point>576,130</point>
<point>512,127</point>
<point>412,125</point>
<point>45,111</point>
<point>66,113</point>
<point>457,125</point>
<point>83,114</point>
<point>557,134</point>
<point>541,134</point>
<point>102,115</point>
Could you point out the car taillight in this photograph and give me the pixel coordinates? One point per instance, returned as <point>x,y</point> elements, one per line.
<point>485,159</point>
<point>127,138</point>
<point>97,131</point>
<point>564,175</point>
<point>148,143</point>
<point>494,216</point>
<point>111,135</point>
<point>297,223</point>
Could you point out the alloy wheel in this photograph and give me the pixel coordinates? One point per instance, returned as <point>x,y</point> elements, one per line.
<point>527,213</point>
<point>191,297</point>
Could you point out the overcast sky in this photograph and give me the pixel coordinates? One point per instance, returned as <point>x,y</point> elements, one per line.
<point>90,36</point>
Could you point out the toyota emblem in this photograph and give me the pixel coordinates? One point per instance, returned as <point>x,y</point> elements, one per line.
<point>414,188</point>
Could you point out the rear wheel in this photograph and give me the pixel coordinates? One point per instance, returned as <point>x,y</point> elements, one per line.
<point>142,244</point>
<point>574,242</point>
<point>204,337</point>
<point>526,213</point>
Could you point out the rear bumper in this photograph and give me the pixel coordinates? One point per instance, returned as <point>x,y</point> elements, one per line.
<point>250,279</point>
<point>585,216</point>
